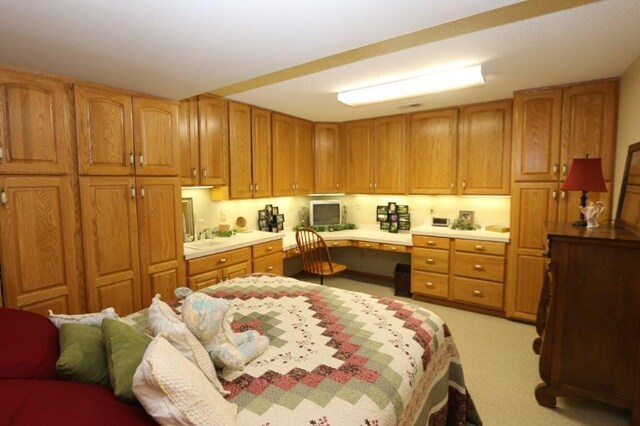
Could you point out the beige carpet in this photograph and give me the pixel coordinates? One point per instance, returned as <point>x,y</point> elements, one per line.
<point>500,367</point>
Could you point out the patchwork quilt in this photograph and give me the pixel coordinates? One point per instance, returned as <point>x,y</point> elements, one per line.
<point>341,358</point>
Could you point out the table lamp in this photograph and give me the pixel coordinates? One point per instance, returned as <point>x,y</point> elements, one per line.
<point>585,175</point>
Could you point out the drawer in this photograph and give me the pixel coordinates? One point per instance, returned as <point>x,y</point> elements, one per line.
<point>430,284</point>
<point>292,252</point>
<point>479,266</point>
<point>368,244</point>
<point>338,243</point>
<point>431,242</point>
<point>483,247</point>
<point>271,263</point>
<point>214,261</point>
<point>269,247</point>
<point>207,279</point>
<point>430,260</point>
<point>478,292</point>
<point>394,247</point>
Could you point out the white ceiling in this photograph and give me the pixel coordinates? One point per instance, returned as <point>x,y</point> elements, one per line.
<point>176,49</point>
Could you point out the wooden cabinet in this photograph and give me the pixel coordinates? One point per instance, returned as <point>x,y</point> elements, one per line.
<point>249,151</point>
<point>188,134</point>
<point>589,317</point>
<point>268,257</point>
<point>375,156</point>
<point>155,136</point>
<point>552,126</point>
<point>328,156</point>
<point>210,270</point>
<point>430,266</point>
<point>292,156</point>
<point>34,133</point>
<point>484,154</point>
<point>432,159</point>
<point>38,245</point>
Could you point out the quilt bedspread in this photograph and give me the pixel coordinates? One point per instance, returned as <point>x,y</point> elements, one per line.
<point>341,358</point>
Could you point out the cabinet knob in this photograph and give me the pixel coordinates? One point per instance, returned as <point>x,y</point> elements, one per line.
<point>223,260</point>
<point>479,248</point>
<point>431,243</point>
<point>429,284</point>
<point>431,260</point>
<point>477,293</point>
<point>269,248</point>
<point>270,268</point>
<point>478,267</point>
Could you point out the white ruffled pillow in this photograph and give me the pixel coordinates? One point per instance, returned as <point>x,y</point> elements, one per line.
<point>173,391</point>
<point>94,319</point>
<point>162,319</point>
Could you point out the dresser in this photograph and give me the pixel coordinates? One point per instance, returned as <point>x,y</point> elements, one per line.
<point>589,317</point>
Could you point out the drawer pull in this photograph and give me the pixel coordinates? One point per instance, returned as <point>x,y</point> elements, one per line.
<point>335,244</point>
<point>367,245</point>
<point>393,248</point>
<point>431,261</point>
<point>431,243</point>
<point>270,268</point>
<point>223,260</point>
<point>269,248</point>
<point>478,267</point>
<point>429,284</point>
<point>477,293</point>
<point>479,248</point>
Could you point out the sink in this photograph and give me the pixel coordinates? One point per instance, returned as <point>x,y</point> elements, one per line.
<point>204,244</point>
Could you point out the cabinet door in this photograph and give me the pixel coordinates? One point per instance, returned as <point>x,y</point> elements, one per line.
<point>33,135</point>
<point>189,146</point>
<point>104,122</point>
<point>213,116</point>
<point>433,140</point>
<point>359,157</point>
<point>160,236</point>
<point>533,205</point>
<point>589,124</point>
<point>110,235</point>
<point>207,279</point>
<point>522,302</point>
<point>38,246</point>
<point>282,155</point>
<point>328,155</point>
<point>240,179</point>
<point>261,152</point>
<point>236,271</point>
<point>302,157</point>
<point>485,149</point>
<point>537,117</point>
<point>390,155</point>
<point>155,134</point>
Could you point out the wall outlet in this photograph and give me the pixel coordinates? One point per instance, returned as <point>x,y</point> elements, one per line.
<point>358,205</point>
<point>223,215</point>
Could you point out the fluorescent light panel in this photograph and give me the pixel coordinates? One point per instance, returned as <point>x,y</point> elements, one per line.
<point>416,86</point>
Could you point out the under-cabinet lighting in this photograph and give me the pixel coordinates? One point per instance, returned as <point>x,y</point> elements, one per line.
<point>416,86</point>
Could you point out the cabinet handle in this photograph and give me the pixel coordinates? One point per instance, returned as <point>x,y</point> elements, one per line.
<point>3,197</point>
<point>370,185</point>
<point>250,187</point>
<point>563,194</point>
<point>270,268</point>
<point>431,260</point>
<point>133,191</point>
<point>393,248</point>
<point>477,293</point>
<point>0,154</point>
<point>478,267</point>
<point>431,243</point>
<point>337,185</point>
<point>269,248</point>
<point>453,184</point>
<point>257,187</point>
<point>564,169</point>
<point>554,194</point>
<point>223,260</point>
<point>375,185</point>
<point>367,245</point>
<point>194,172</point>
<point>464,184</point>
<point>479,248</point>
<point>204,173</point>
<point>335,244</point>
<point>131,158</point>
<point>555,169</point>
<point>429,284</point>
<point>141,159</point>
<point>142,191</point>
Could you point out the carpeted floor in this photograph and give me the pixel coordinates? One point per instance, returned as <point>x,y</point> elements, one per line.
<point>500,367</point>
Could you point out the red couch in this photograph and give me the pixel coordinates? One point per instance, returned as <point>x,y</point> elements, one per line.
<point>32,394</point>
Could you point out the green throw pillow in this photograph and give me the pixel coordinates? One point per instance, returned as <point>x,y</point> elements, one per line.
<point>124,346</point>
<point>82,357</point>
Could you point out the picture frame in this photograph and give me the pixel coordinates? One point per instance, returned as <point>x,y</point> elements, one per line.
<point>403,209</point>
<point>404,217</point>
<point>404,226</point>
<point>263,223</point>
<point>392,208</point>
<point>280,226</point>
<point>265,228</point>
<point>279,218</point>
<point>269,209</point>
<point>393,227</point>
<point>382,210</point>
<point>393,217</point>
<point>274,210</point>
<point>274,228</point>
<point>466,215</point>
<point>262,214</point>
<point>381,217</point>
<point>384,226</point>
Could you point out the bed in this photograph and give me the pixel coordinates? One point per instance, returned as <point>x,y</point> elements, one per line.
<point>341,358</point>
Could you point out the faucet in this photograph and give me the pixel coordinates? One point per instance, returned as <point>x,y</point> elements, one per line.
<point>196,235</point>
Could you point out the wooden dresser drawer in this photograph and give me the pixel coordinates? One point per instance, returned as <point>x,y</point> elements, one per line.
<point>368,244</point>
<point>483,247</point>
<point>338,243</point>
<point>479,266</point>
<point>394,247</point>
<point>269,247</point>
<point>431,242</point>
<point>292,252</point>
<point>430,284</point>
<point>214,261</point>
<point>271,264</point>
<point>477,292</point>
<point>430,260</point>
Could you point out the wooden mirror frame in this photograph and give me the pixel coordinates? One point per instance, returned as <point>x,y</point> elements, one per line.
<point>632,182</point>
<point>188,224</point>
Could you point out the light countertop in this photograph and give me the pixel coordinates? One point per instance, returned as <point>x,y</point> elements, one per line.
<point>222,244</point>
<point>479,234</point>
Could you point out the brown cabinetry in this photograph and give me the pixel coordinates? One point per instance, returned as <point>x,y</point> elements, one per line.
<point>589,317</point>
<point>328,150</point>
<point>210,270</point>
<point>268,257</point>
<point>292,156</point>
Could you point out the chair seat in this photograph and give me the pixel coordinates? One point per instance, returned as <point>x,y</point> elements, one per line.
<point>324,268</point>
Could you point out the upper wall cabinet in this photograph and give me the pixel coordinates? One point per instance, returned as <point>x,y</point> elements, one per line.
<point>189,144</point>
<point>433,142</point>
<point>34,133</point>
<point>121,135</point>
<point>484,155</point>
<point>292,156</point>
<point>328,154</point>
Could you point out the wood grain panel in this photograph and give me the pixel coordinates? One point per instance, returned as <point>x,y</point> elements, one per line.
<point>282,160</point>
<point>240,151</point>
<point>484,267</point>
<point>328,159</point>
<point>430,260</point>
<point>478,292</point>
<point>390,155</point>
<point>188,135</point>
<point>302,157</point>
<point>430,284</point>
<point>261,152</point>
<point>121,295</point>
<point>272,264</point>
<point>359,153</point>
<point>536,204</point>
<point>156,137</point>
<point>482,247</point>
<point>531,270</point>
<point>213,115</point>
<point>431,242</point>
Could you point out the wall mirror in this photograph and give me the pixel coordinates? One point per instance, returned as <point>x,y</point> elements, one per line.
<point>628,213</point>
<point>187,220</point>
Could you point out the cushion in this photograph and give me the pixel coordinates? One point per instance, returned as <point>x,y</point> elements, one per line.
<point>28,345</point>
<point>124,347</point>
<point>162,319</point>
<point>174,391</point>
<point>26,402</point>
<point>94,319</point>
<point>82,355</point>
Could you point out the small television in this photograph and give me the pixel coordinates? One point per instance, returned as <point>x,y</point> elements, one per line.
<point>325,212</point>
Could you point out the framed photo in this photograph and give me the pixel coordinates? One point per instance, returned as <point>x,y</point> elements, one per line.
<point>404,217</point>
<point>262,214</point>
<point>279,218</point>
<point>382,210</point>
<point>274,210</point>
<point>262,223</point>
<point>265,228</point>
<point>381,217</point>
<point>384,225</point>
<point>403,209</point>
<point>274,228</point>
<point>392,208</point>
<point>404,226</point>
<point>466,215</point>
<point>393,227</point>
<point>393,217</point>
<point>269,209</point>
<point>280,226</point>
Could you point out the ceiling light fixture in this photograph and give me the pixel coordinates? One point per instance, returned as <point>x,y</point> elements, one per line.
<point>416,86</point>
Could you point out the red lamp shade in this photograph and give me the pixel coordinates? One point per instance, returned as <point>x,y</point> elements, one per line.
<point>585,175</point>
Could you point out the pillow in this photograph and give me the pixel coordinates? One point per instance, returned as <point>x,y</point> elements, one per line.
<point>162,319</point>
<point>82,356</point>
<point>28,345</point>
<point>173,391</point>
<point>94,319</point>
<point>124,348</point>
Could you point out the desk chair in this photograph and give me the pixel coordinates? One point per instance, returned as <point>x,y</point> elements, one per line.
<point>315,254</point>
